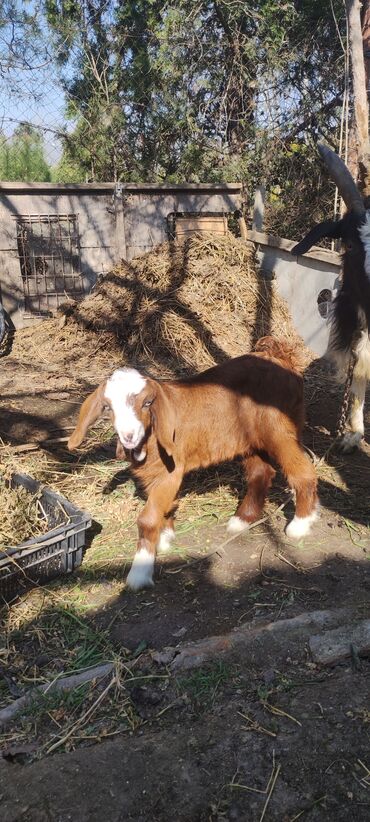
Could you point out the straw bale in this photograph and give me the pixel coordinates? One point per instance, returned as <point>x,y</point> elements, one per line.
<point>176,309</point>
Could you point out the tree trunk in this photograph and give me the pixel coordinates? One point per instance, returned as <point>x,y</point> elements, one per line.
<point>365,19</point>
<point>366,50</point>
<point>361,112</point>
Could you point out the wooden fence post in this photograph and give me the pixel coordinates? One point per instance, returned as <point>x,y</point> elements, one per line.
<point>119,207</point>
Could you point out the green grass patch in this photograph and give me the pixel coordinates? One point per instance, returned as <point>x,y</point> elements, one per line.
<point>204,683</point>
<point>56,702</point>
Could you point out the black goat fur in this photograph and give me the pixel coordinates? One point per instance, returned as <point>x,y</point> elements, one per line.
<point>351,308</point>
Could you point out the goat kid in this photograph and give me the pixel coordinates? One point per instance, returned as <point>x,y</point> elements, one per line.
<point>350,318</point>
<point>251,407</point>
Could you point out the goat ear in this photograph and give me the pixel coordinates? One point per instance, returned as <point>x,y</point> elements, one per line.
<point>163,420</point>
<point>329,228</point>
<point>91,409</point>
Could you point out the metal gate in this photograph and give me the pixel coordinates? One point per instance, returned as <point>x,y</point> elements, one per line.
<point>49,259</point>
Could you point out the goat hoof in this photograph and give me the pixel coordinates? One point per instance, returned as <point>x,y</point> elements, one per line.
<point>300,526</point>
<point>350,442</point>
<point>236,525</point>
<point>141,573</point>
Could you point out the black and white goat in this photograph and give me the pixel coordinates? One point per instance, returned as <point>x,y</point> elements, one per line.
<point>350,325</point>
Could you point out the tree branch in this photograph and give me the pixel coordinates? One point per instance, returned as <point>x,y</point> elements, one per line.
<point>312,118</point>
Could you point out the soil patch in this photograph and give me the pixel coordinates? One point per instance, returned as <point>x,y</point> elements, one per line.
<point>224,743</point>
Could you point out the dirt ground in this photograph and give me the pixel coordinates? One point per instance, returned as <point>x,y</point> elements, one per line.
<point>265,734</point>
<point>203,761</point>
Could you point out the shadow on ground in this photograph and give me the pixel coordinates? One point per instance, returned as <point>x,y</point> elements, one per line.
<point>209,744</point>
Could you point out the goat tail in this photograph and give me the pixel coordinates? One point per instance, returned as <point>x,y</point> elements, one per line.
<point>282,351</point>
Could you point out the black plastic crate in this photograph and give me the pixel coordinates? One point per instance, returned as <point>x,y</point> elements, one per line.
<point>59,551</point>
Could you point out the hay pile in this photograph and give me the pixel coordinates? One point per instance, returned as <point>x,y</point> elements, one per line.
<point>21,516</point>
<point>174,310</point>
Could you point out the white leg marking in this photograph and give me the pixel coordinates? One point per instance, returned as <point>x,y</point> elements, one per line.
<point>350,441</point>
<point>364,232</point>
<point>165,538</point>
<point>236,525</point>
<point>301,526</point>
<point>141,573</point>
<point>358,401</point>
<point>139,456</point>
<point>357,416</point>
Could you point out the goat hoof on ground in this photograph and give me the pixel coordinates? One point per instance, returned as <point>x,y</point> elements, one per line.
<point>350,442</point>
<point>141,573</point>
<point>300,526</point>
<point>236,525</point>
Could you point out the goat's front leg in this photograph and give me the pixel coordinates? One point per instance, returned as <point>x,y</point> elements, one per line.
<point>150,522</point>
<point>352,438</point>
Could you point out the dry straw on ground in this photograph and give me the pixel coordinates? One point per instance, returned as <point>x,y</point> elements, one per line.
<point>174,310</point>
<point>21,516</point>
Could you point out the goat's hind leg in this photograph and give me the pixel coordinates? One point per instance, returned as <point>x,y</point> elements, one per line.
<point>150,522</point>
<point>259,474</point>
<point>301,476</point>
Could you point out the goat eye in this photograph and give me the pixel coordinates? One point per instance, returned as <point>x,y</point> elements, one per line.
<point>349,246</point>
<point>147,403</point>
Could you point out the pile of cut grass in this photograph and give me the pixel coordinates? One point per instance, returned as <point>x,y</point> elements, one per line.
<point>176,310</point>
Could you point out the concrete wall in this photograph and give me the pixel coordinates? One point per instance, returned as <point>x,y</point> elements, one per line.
<point>147,211</point>
<point>301,281</point>
<point>96,228</point>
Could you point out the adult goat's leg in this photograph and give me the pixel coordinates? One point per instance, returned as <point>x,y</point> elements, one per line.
<point>259,474</point>
<point>150,521</point>
<point>352,438</point>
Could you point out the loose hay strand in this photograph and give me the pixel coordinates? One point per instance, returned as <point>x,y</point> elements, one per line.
<point>279,712</point>
<point>255,726</point>
<point>270,792</point>
<point>83,719</point>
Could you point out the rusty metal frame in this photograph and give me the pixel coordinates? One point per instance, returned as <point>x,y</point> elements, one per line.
<point>50,261</point>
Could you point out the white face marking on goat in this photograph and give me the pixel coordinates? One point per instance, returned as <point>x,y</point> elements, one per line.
<point>364,232</point>
<point>121,389</point>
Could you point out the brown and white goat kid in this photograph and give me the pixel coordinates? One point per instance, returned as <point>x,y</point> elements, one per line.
<point>251,407</point>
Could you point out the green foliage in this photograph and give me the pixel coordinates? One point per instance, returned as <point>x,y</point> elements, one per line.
<point>298,194</point>
<point>212,91</point>
<point>22,156</point>
<point>68,170</point>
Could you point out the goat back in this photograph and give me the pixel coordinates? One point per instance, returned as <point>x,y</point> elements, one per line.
<point>270,348</point>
